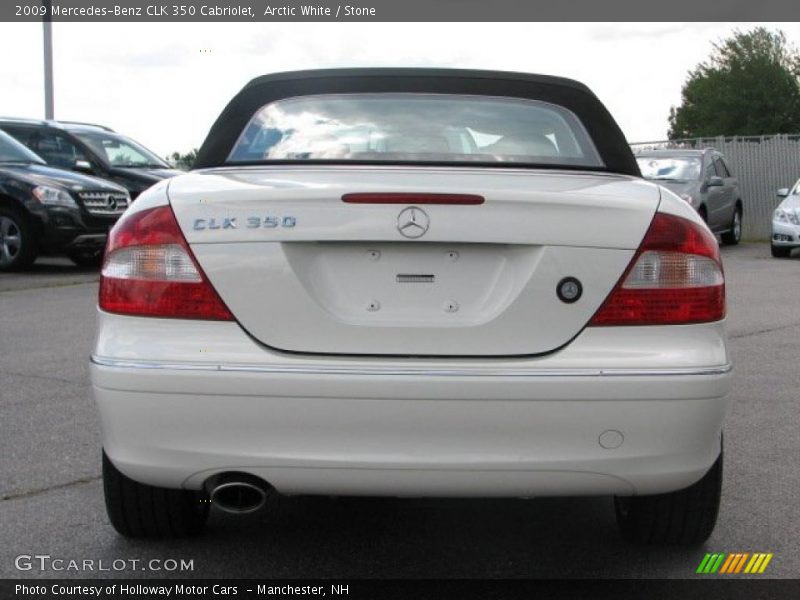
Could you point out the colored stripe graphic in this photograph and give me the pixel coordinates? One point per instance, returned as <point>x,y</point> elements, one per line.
<point>732,558</point>
<point>711,562</point>
<point>741,562</point>
<point>764,564</point>
<point>717,563</point>
<point>749,567</point>
<point>733,562</point>
<point>703,563</point>
<point>757,563</point>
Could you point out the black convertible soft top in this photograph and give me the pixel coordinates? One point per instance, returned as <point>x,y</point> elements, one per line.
<point>573,95</point>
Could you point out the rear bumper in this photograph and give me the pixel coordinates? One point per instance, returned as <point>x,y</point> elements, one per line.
<point>544,426</point>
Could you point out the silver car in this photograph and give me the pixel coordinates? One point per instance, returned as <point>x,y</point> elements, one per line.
<point>704,180</point>
<point>786,222</point>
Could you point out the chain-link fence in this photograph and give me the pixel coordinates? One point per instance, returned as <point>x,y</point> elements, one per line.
<point>763,164</point>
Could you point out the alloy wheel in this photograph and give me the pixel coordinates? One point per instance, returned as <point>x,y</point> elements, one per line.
<point>10,240</point>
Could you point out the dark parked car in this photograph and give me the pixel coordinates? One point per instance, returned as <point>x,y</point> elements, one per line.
<point>47,210</point>
<point>91,149</point>
<point>704,180</point>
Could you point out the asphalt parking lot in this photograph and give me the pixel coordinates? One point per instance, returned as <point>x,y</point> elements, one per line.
<point>51,498</point>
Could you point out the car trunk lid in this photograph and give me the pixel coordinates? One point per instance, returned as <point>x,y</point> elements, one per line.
<point>304,271</point>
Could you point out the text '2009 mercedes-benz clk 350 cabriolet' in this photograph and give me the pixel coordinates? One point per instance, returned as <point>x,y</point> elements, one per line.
<point>412,282</point>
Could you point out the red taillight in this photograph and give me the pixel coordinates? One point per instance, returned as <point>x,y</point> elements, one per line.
<point>150,271</point>
<point>675,278</point>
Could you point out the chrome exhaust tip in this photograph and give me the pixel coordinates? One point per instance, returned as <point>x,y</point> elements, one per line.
<point>238,497</point>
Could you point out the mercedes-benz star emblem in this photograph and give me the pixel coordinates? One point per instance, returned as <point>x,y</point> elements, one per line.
<point>413,222</point>
<point>111,202</point>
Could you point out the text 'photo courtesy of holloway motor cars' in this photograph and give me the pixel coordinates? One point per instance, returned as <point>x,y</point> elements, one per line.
<point>412,282</point>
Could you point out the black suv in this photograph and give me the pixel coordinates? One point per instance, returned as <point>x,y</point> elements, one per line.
<point>91,149</point>
<point>47,210</point>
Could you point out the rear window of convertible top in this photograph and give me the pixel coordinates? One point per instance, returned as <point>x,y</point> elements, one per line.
<point>418,128</point>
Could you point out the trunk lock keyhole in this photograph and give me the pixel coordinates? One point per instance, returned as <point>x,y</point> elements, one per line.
<point>373,306</point>
<point>451,306</point>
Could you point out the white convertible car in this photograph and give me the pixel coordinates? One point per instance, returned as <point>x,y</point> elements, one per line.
<point>412,282</point>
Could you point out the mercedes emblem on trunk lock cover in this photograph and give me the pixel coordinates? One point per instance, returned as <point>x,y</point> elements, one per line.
<point>569,290</point>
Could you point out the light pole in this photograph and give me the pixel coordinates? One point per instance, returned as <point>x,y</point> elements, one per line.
<point>47,23</point>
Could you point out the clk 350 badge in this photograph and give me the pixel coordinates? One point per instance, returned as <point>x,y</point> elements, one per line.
<point>250,223</point>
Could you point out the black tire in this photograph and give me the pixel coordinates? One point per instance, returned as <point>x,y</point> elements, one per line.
<point>87,259</point>
<point>734,235</point>
<point>685,517</point>
<point>18,243</point>
<point>138,510</point>
<point>781,251</point>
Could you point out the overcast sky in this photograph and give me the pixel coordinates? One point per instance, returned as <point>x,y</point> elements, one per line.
<point>164,84</point>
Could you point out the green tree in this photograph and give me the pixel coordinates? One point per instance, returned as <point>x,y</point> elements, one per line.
<point>183,161</point>
<point>748,86</point>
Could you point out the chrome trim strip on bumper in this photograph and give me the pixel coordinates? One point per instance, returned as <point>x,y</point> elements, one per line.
<point>89,240</point>
<point>410,371</point>
<point>91,237</point>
